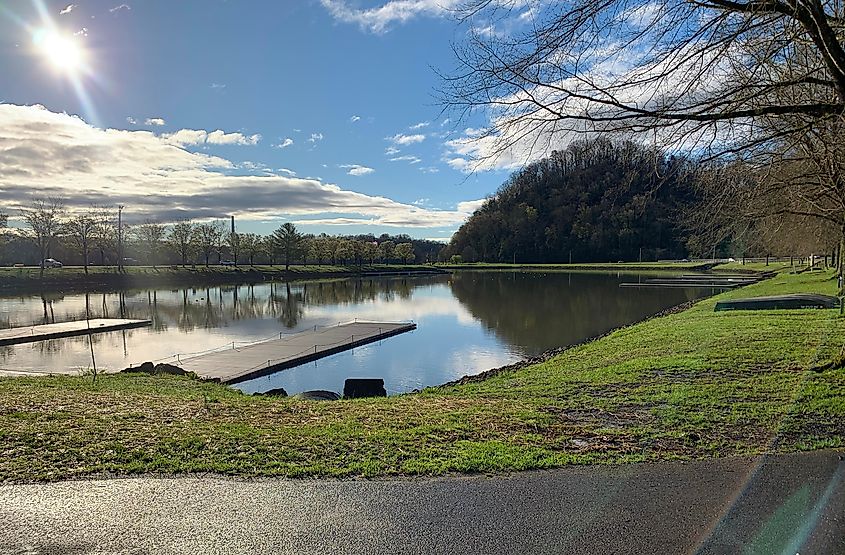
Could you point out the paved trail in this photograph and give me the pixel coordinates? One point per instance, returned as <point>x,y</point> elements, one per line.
<point>779,504</point>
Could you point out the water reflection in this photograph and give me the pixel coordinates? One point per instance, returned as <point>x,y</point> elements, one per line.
<point>468,322</point>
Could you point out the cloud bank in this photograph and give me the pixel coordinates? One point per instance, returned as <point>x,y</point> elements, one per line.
<point>44,153</point>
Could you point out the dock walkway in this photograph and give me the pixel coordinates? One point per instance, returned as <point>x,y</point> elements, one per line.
<point>31,334</point>
<point>242,363</point>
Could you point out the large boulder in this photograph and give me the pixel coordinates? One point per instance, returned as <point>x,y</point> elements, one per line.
<point>158,369</point>
<point>355,388</point>
<point>318,395</point>
<point>277,392</point>
<point>170,370</point>
<point>144,368</point>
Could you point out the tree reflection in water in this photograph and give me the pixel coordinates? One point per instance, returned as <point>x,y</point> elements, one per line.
<point>497,312</point>
<point>544,310</point>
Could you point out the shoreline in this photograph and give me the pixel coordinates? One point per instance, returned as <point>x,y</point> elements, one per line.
<point>692,385</point>
<point>73,279</point>
<point>138,277</point>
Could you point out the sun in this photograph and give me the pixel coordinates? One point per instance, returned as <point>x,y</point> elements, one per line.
<point>62,52</point>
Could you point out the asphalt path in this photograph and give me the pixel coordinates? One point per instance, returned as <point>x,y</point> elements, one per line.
<point>776,504</point>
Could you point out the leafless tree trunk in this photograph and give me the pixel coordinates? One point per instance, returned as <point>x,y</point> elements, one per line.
<point>43,220</point>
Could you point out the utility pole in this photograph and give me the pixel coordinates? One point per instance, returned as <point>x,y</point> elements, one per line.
<point>120,238</point>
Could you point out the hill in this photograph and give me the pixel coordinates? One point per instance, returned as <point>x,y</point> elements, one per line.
<point>595,201</point>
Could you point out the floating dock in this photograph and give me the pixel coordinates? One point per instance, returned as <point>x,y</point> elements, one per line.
<point>259,359</point>
<point>775,302</point>
<point>707,281</point>
<point>31,334</point>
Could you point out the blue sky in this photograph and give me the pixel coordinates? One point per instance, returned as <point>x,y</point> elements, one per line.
<point>208,92</point>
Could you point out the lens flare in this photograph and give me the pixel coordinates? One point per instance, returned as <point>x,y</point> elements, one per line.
<point>62,52</point>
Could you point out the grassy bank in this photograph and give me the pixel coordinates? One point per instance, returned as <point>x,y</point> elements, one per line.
<point>74,277</point>
<point>694,384</point>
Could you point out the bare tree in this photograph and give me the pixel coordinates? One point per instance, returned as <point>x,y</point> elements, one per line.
<point>250,244</point>
<point>708,75</point>
<point>4,223</point>
<point>43,220</point>
<point>181,238</point>
<point>150,236</point>
<point>104,238</point>
<point>81,232</point>
<point>233,240</point>
<point>207,237</point>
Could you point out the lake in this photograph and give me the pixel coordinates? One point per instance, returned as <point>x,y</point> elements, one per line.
<point>467,322</point>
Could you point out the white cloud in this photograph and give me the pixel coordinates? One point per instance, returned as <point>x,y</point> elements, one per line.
<point>120,7</point>
<point>67,9</point>
<point>154,121</point>
<point>379,19</point>
<point>420,125</point>
<point>353,119</point>
<point>218,85</point>
<point>219,137</point>
<point>357,169</point>
<point>287,172</point>
<point>44,153</point>
<point>185,137</point>
<point>407,158</point>
<point>286,143</point>
<point>131,121</point>
<point>82,32</point>
<point>429,169</point>
<point>405,140</point>
<point>315,137</point>
<point>470,206</point>
<point>391,150</point>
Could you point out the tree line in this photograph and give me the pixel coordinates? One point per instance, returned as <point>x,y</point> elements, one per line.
<point>99,237</point>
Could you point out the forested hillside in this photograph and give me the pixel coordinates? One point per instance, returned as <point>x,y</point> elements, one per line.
<point>594,201</point>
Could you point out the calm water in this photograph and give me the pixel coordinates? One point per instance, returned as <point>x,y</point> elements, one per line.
<point>467,322</point>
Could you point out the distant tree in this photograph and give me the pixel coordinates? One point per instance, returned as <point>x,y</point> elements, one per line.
<point>233,240</point>
<point>385,249</point>
<point>105,232</point>
<point>358,251</point>
<point>181,240</point>
<point>4,224</point>
<point>150,236</point>
<point>207,237</point>
<point>43,219</point>
<point>287,240</point>
<point>345,251</point>
<point>404,252</point>
<point>370,251</point>
<point>315,250</point>
<point>268,247</point>
<point>81,232</point>
<point>250,244</point>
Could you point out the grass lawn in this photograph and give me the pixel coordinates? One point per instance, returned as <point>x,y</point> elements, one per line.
<point>695,384</point>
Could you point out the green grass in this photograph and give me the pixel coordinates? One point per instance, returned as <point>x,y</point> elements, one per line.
<point>695,384</point>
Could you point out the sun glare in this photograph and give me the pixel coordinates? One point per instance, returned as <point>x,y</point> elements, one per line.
<point>63,52</point>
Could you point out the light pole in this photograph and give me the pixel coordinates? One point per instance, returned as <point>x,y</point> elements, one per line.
<point>120,238</point>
